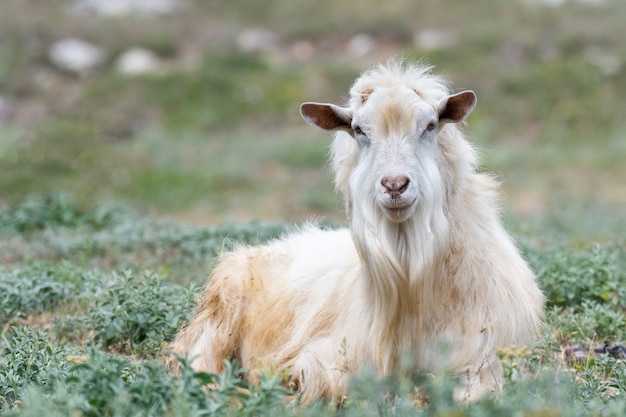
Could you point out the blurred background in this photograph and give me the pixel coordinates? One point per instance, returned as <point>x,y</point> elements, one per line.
<point>189,109</point>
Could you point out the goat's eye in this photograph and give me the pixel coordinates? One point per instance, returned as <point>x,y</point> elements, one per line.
<point>431,126</point>
<point>358,131</point>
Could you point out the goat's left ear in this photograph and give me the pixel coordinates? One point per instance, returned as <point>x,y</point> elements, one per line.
<point>454,108</point>
<point>326,116</point>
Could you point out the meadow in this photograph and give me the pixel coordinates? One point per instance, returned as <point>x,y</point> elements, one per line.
<point>118,192</point>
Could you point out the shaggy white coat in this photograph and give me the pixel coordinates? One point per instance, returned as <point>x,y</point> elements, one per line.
<point>426,270</point>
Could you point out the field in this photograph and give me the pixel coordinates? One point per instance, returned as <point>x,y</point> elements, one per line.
<point>117,192</point>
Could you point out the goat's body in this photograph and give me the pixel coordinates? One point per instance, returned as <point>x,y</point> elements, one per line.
<point>301,306</point>
<point>444,284</point>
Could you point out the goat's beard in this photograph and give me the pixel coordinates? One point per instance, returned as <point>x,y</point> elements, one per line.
<point>400,248</point>
<point>394,257</point>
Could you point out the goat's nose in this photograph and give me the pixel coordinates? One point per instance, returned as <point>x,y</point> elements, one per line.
<point>395,186</point>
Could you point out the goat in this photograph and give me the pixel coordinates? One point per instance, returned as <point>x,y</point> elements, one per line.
<point>426,268</point>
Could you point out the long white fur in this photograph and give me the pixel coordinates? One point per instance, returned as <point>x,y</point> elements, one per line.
<point>445,286</point>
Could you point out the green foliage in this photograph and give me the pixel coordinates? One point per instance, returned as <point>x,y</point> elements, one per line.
<point>98,384</point>
<point>138,315</point>
<point>107,384</point>
<point>602,379</point>
<point>571,277</point>
<point>585,291</point>
<point>38,212</point>
<point>115,238</point>
<point>590,322</point>
<point>33,289</point>
<point>28,358</point>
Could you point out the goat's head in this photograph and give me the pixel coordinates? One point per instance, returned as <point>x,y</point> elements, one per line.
<point>396,129</point>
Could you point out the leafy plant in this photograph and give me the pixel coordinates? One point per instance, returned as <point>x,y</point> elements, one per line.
<point>128,241</point>
<point>38,212</point>
<point>591,322</point>
<point>106,385</point>
<point>138,315</point>
<point>602,379</point>
<point>31,289</point>
<point>571,277</point>
<point>28,358</point>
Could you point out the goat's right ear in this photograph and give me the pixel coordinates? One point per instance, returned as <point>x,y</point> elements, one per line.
<point>326,116</point>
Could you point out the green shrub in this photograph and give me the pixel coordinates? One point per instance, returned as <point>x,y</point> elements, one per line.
<point>32,289</point>
<point>108,385</point>
<point>602,379</point>
<point>118,238</point>
<point>570,277</point>
<point>138,314</point>
<point>589,322</point>
<point>28,357</point>
<point>37,212</point>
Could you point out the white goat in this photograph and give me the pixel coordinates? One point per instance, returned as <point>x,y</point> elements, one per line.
<point>426,268</point>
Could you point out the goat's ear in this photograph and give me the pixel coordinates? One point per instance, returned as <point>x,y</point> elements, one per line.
<point>454,108</point>
<point>326,116</point>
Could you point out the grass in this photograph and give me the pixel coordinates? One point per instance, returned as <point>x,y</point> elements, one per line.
<point>117,193</point>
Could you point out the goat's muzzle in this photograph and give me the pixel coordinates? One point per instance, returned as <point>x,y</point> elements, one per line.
<point>396,198</point>
<point>395,186</point>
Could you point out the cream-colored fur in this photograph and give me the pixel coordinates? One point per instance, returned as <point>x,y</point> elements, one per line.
<point>428,271</point>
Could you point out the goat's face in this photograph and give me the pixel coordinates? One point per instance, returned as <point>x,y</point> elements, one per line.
<point>396,132</point>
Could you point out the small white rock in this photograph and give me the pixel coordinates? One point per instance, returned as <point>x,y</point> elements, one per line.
<point>434,39</point>
<point>110,8</point>
<point>550,3</point>
<point>76,55</point>
<point>257,40</point>
<point>138,61</point>
<point>361,45</point>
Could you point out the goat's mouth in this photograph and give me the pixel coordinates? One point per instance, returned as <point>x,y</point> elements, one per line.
<point>399,210</point>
